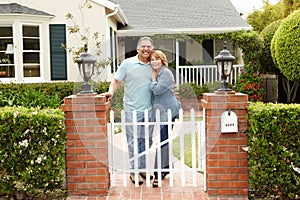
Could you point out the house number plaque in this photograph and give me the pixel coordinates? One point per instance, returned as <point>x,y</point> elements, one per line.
<point>229,122</point>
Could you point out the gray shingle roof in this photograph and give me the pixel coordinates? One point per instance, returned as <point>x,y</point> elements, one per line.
<point>181,15</point>
<point>14,8</point>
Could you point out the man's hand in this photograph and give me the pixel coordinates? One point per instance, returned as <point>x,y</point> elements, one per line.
<point>109,95</point>
<point>112,88</point>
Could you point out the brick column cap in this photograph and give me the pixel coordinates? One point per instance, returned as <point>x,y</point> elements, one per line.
<point>219,100</point>
<point>79,102</point>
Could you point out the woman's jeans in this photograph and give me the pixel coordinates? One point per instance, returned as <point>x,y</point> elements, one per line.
<point>164,149</point>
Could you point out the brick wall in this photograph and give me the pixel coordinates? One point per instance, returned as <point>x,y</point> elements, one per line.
<point>226,161</point>
<point>86,152</point>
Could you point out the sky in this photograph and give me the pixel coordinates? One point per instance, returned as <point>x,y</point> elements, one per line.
<point>247,6</point>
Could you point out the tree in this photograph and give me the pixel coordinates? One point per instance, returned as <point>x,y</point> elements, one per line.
<point>83,35</point>
<point>285,48</point>
<point>270,13</point>
<point>266,60</point>
<point>290,6</point>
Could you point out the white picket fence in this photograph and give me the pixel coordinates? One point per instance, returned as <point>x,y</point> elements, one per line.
<point>185,125</point>
<point>201,74</point>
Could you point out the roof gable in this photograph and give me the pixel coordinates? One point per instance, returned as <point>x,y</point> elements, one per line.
<point>14,8</point>
<point>186,16</point>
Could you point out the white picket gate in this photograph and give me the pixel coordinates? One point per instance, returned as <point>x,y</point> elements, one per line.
<point>186,130</point>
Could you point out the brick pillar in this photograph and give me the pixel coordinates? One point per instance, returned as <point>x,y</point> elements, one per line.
<point>86,152</point>
<point>226,161</point>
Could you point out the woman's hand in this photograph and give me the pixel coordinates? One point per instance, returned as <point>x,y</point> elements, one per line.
<point>154,75</point>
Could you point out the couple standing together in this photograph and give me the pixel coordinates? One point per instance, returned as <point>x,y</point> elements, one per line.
<point>148,85</point>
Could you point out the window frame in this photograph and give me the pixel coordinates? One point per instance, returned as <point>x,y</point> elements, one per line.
<point>40,51</point>
<point>8,62</point>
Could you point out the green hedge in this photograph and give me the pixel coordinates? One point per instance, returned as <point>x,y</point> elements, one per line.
<point>32,148</point>
<point>274,154</point>
<point>42,95</point>
<point>32,138</point>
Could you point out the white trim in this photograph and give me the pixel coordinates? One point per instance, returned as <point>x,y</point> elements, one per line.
<point>26,15</point>
<point>113,6</point>
<point>105,3</point>
<point>40,51</point>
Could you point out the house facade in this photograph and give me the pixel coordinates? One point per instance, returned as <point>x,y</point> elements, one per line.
<point>35,36</point>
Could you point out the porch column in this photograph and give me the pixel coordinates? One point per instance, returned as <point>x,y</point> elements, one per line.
<point>87,170</point>
<point>226,161</point>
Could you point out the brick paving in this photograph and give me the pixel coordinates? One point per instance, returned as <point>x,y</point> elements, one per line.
<point>177,192</point>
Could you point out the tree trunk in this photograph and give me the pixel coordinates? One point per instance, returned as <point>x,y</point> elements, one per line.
<point>291,88</point>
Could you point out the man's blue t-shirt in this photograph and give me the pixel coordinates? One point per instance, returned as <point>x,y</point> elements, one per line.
<point>136,76</point>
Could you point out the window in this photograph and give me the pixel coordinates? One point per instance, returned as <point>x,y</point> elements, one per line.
<point>7,67</point>
<point>31,51</point>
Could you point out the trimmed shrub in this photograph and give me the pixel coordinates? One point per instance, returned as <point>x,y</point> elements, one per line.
<point>266,60</point>
<point>274,153</point>
<point>32,149</point>
<point>42,95</point>
<point>285,46</point>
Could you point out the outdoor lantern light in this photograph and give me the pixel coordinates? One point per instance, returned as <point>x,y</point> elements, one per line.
<point>86,64</point>
<point>224,63</point>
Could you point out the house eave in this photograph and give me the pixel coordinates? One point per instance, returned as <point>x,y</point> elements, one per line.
<point>113,6</point>
<point>26,15</point>
<point>192,31</point>
<point>121,17</point>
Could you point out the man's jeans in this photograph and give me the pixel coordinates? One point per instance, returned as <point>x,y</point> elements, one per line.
<point>140,138</point>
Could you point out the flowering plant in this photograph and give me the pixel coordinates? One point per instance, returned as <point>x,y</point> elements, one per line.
<point>251,83</point>
<point>32,150</point>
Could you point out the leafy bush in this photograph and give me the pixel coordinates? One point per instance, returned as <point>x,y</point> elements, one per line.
<point>285,46</point>
<point>42,95</point>
<point>274,151</point>
<point>251,83</point>
<point>267,63</point>
<point>117,102</point>
<point>211,87</point>
<point>32,148</point>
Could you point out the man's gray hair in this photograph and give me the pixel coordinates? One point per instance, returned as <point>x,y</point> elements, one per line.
<point>144,38</point>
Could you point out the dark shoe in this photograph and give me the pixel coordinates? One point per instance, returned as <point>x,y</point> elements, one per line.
<point>143,175</point>
<point>140,179</point>
<point>164,174</point>
<point>155,183</point>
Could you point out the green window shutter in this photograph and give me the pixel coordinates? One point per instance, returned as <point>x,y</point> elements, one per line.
<point>58,57</point>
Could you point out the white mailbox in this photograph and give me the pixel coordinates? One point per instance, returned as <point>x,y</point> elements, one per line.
<point>229,122</point>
